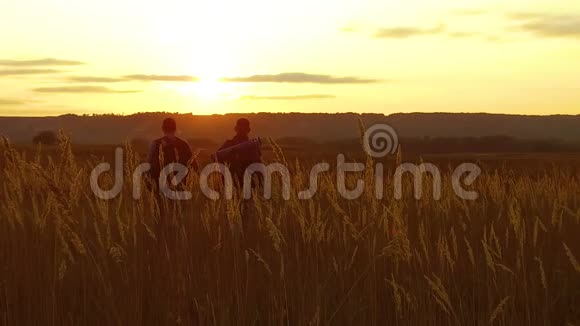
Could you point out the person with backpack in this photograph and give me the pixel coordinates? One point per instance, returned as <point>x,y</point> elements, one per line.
<point>240,152</point>
<point>169,149</point>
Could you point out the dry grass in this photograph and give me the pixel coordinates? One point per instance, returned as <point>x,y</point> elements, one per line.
<point>68,258</point>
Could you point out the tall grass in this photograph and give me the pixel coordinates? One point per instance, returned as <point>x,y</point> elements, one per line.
<point>68,258</point>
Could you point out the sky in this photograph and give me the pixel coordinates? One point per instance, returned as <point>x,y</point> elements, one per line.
<point>215,56</point>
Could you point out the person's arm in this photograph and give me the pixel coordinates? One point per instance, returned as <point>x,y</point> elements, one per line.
<point>153,160</point>
<point>188,157</point>
<point>187,154</point>
<point>227,144</point>
<point>153,155</point>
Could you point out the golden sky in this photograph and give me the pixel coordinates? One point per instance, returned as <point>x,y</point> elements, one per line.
<point>205,57</point>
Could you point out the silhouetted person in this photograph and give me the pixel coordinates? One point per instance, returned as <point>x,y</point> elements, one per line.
<point>239,153</point>
<point>239,160</point>
<point>168,149</point>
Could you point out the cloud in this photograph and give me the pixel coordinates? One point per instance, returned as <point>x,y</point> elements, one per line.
<point>408,32</point>
<point>167,78</point>
<point>20,72</point>
<point>136,77</point>
<point>298,77</point>
<point>40,62</point>
<point>6,101</point>
<point>14,101</point>
<point>549,25</point>
<point>290,97</point>
<point>94,79</point>
<point>82,89</point>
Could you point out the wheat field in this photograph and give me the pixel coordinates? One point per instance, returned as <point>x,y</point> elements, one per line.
<point>67,258</point>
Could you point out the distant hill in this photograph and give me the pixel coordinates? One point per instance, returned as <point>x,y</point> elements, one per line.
<point>111,129</point>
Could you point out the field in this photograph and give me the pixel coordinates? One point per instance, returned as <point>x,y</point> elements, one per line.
<point>511,257</point>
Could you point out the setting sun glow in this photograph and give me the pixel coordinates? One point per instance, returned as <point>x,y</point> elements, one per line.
<point>206,89</point>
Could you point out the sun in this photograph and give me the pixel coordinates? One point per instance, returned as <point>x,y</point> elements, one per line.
<point>208,88</point>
